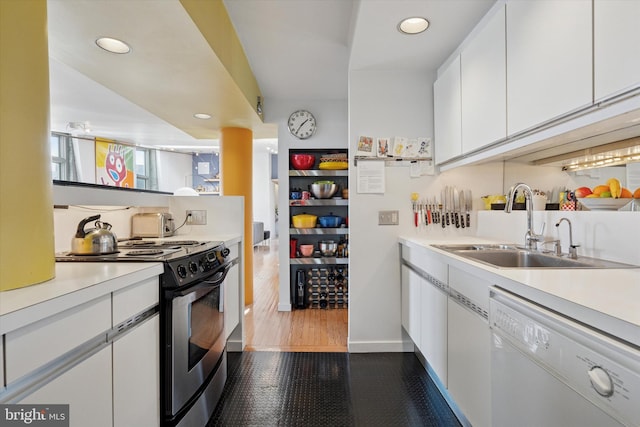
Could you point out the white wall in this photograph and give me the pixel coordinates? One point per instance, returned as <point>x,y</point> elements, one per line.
<point>263,193</point>
<point>86,160</point>
<point>382,103</point>
<point>173,169</point>
<point>331,117</point>
<point>224,214</point>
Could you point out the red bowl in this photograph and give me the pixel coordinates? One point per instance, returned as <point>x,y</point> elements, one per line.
<point>303,161</point>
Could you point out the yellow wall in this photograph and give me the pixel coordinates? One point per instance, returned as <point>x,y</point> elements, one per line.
<point>236,169</point>
<point>26,200</point>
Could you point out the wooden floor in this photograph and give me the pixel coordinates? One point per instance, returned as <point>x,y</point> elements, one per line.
<point>267,329</point>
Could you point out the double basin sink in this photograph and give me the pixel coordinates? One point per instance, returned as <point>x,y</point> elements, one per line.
<point>509,256</point>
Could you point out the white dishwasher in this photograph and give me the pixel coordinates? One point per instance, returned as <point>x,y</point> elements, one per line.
<point>549,370</point>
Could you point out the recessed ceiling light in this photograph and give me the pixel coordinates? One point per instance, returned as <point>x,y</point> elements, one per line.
<point>203,116</point>
<point>113,45</point>
<point>413,25</point>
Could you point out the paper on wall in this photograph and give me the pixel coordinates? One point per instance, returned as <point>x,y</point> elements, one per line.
<point>370,177</point>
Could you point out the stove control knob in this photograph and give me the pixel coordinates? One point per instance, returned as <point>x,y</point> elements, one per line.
<point>226,252</point>
<point>193,267</point>
<point>182,271</point>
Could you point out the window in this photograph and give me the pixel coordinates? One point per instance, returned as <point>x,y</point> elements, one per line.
<point>63,163</point>
<point>146,172</point>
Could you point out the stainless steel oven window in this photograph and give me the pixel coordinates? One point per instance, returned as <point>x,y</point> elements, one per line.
<point>188,321</point>
<point>204,327</point>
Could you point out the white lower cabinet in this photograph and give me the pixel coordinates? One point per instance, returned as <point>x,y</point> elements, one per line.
<point>136,382</point>
<point>231,294</point>
<point>469,363</point>
<point>469,346</point>
<point>433,328</point>
<point>86,388</point>
<point>411,286</point>
<point>101,357</point>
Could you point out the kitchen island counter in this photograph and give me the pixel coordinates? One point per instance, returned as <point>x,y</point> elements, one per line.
<point>605,299</point>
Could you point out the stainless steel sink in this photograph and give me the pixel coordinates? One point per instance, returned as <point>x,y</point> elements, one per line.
<point>508,256</point>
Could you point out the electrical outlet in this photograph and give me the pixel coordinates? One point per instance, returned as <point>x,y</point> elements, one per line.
<point>197,217</point>
<point>388,217</point>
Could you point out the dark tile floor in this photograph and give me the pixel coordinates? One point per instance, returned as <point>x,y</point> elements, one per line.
<point>329,390</point>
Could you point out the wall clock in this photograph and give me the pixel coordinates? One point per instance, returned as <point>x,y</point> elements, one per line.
<point>302,124</point>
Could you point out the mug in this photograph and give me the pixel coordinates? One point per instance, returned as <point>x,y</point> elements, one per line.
<point>306,195</point>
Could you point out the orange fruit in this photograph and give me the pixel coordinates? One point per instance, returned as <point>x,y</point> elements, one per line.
<point>626,194</point>
<point>598,189</point>
<point>636,194</point>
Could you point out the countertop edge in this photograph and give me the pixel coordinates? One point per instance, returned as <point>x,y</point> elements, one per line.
<point>601,319</point>
<point>25,314</point>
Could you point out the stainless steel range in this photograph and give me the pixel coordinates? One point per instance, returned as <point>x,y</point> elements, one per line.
<point>192,344</point>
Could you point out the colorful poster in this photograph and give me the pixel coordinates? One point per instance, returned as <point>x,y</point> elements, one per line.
<point>114,164</point>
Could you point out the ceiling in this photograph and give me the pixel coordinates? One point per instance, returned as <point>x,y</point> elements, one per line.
<point>300,49</point>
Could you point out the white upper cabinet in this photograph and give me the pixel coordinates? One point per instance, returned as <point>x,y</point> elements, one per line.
<point>549,60</point>
<point>484,88</point>
<point>616,46</point>
<point>447,113</point>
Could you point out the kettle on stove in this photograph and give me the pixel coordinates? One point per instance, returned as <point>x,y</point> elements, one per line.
<point>94,241</point>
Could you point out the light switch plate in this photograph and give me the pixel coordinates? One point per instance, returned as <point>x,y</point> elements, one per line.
<point>197,217</point>
<point>388,217</point>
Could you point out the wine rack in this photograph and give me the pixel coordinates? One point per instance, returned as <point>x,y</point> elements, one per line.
<point>327,287</point>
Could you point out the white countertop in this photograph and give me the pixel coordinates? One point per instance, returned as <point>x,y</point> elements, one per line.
<point>606,299</point>
<point>74,284</point>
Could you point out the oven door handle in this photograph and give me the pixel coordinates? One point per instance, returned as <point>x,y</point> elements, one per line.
<point>213,281</point>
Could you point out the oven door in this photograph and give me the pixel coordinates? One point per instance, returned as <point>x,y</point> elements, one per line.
<point>197,337</point>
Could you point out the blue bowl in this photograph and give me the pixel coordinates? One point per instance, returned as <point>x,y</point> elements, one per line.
<point>296,195</point>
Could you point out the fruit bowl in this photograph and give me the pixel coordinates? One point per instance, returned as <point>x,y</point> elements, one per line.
<point>303,161</point>
<point>603,203</point>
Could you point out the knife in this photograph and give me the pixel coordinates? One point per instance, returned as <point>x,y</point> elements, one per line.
<point>443,207</point>
<point>456,206</point>
<point>469,207</point>
<point>447,204</point>
<point>462,207</point>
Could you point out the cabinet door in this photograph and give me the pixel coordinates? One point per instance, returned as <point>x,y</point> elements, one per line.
<point>484,86</point>
<point>231,300</point>
<point>549,60</point>
<point>616,46</point>
<point>87,390</point>
<point>411,286</point>
<point>469,364</point>
<point>433,328</point>
<point>447,113</point>
<point>136,376</point>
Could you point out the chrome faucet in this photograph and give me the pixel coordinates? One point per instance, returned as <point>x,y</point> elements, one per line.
<point>531,239</point>
<point>573,252</point>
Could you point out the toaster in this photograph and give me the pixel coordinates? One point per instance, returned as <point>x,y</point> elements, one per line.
<point>155,224</point>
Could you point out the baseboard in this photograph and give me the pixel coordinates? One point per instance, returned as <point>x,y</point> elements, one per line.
<point>284,307</point>
<point>379,347</point>
<point>234,346</point>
